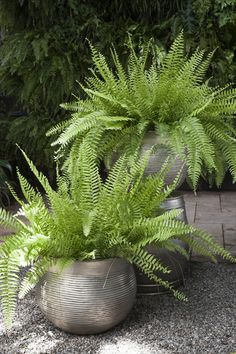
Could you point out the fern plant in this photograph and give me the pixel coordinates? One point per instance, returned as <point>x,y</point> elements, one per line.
<point>173,98</point>
<point>86,218</point>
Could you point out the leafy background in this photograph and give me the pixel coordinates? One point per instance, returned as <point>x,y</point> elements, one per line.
<point>44,50</point>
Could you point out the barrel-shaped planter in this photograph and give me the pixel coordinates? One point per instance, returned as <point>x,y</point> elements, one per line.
<point>88,297</point>
<point>175,261</point>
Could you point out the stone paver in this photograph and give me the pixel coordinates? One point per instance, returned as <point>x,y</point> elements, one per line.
<point>214,212</point>
<point>213,229</point>
<point>229,233</point>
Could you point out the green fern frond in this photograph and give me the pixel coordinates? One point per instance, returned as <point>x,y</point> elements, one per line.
<point>149,264</point>
<point>103,68</point>
<point>189,69</point>
<point>213,246</point>
<point>28,191</point>
<point>201,70</point>
<point>174,247</point>
<point>71,106</point>
<point>12,243</point>
<point>6,219</point>
<point>58,128</point>
<point>41,178</point>
<point>146,261</point>
<point>79,125</point>
<point>175,58</point>
<point>88,186</point>
<point>9,282</point>
<point>229,152</point>
<point>33,276</point>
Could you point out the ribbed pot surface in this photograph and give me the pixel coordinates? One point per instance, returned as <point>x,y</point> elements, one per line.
<point>88,297</point>
<point>176,262</point>
<point>158,158</point>
<point>176,202</point>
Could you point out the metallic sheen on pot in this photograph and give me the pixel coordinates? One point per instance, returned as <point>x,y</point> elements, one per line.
<point>158,158</point>
<point>88,297</point>
<point>161,153</point>
<point>173,260</point>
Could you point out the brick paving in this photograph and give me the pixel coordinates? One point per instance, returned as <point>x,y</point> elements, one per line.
<point>214,212</point>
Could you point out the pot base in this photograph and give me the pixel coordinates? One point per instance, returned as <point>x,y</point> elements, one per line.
<point>154,289</point>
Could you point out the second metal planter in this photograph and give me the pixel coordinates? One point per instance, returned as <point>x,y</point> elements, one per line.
<point>173,260</point>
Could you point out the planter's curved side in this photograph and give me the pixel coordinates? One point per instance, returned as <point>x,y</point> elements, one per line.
<point>88,297</point>
<point>176,262</point>
<point>158,158</point>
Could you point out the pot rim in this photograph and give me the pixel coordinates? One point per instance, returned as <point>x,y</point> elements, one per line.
<point>96,260</point>
<point>94,266</point>
<point>175,196</point>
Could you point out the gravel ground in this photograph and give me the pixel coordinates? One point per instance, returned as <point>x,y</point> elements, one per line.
<point>157,325</point>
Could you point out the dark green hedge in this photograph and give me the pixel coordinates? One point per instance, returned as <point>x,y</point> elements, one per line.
<point>44,51</point>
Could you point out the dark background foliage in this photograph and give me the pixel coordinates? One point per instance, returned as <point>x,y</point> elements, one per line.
<point>44,50</point>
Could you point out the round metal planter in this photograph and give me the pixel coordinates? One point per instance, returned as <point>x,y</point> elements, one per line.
<point>88,297</point>
<point>176,201</point>
<point>176,262</point>
<point>158,158</point>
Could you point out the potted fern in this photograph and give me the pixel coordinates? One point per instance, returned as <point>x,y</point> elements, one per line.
<point>79,248</point>
<point>168,104</point>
